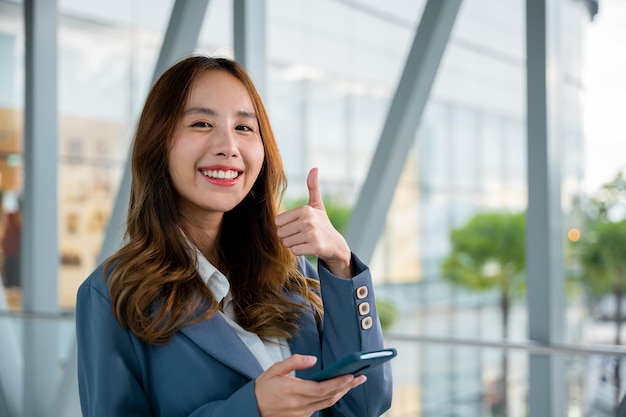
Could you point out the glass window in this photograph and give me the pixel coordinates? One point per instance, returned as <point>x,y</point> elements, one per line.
<point>332,70</point>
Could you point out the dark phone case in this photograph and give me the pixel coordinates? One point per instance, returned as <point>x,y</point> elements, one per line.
<point>357,363</point>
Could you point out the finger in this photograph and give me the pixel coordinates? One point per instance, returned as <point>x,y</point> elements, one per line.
<point>292,239</point>
<point>315,194</point>
<point>285,218</point>
<point>322,403</point>
<point>334,388</point>
<point>293,363</point>
<point>343,382</point>
<point>301,250</point>
<point>297,222</point>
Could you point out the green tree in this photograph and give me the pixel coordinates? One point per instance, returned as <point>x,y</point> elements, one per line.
<point>602,252</point>
<point>488,253</point>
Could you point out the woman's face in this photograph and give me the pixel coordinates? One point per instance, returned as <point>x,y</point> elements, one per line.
<point>217,151</point>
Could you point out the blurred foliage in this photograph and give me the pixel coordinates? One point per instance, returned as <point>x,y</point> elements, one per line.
<point>387,313</point>
<point>487,253</point>
<point>601,249</point>
<point>602,253</point>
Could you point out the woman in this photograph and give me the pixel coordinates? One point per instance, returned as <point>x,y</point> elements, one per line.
<point>209,309</point>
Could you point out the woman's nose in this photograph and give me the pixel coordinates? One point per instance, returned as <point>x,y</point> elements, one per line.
<point>225,143</point>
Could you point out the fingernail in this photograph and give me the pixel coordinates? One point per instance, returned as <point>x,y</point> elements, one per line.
<point>362,379</point>
<point>310,360</point>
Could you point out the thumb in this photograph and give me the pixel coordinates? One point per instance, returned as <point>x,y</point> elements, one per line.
<point>315,194</point>
<point>292,363</point>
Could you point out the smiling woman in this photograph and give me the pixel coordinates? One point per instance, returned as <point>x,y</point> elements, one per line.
<point>219,134</point>
<point>210,307</point>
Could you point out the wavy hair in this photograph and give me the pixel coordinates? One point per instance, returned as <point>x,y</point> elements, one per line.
<point>154,285</point>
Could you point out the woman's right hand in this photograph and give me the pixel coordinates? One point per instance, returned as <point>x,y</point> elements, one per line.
<point>279,394</point>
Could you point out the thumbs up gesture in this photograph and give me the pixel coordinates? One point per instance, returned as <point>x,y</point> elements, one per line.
<point>307,230</point>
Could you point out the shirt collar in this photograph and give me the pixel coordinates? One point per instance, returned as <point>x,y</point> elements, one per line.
<point>213,278</point>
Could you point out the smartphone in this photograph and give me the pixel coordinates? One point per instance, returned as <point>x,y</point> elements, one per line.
<point>357,363</point>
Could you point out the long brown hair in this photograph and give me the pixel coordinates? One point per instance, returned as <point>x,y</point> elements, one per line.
<point>154,285</point>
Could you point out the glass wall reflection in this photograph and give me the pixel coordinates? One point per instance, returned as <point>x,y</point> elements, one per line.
<point>333,67</point>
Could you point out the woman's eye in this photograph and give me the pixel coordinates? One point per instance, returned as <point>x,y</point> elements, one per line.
<point>244,128</point>
<point>201,124</point>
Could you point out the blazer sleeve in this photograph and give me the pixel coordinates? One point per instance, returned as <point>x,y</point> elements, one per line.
<point>350,325</point>
<point>109,370</point>
<point>112,366</point>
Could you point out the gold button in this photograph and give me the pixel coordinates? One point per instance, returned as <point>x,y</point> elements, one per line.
<point>364,308</point>
<point>366,323</point>
<point>361,292</point>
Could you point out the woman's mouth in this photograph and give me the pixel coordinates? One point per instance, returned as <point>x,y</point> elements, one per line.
<point>220,174</point>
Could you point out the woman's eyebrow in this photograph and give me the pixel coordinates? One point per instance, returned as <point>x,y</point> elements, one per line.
<point>246,114</point>
<point>201,110</point>
<point>211,112</point>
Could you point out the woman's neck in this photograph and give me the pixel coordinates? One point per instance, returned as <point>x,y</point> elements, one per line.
<point>203,233</point>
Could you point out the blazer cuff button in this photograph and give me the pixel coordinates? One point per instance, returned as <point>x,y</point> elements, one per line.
<point>364,308</point>
<point>361,292</point>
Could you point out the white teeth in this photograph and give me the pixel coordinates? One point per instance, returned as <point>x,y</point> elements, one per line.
<point>213,173</point>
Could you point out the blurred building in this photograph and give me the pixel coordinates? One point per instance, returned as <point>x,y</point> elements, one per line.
<point>331,75</point>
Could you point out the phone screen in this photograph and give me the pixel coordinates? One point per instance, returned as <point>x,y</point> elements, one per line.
<point>357,363</point>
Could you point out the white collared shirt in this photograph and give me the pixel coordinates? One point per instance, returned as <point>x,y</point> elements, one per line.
<point>266,352</point>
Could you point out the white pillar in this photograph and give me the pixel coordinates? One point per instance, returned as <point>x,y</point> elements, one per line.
<point>544,235</point>
<point>40,253</point>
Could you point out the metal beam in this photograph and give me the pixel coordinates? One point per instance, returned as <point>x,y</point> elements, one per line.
<point>180,40</point>
<point>544,247</point>
<point>368,217</point>
<point>40,260</point>
<point>562,349</point>
<point>249,38</point>
<point>182,33</point>
<point>11,365</point>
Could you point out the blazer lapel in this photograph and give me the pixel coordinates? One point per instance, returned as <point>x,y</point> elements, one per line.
<point>307,341</point>
<point>218,339</point>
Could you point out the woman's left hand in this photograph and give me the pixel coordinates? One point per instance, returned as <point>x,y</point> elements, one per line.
<point>307,230</point>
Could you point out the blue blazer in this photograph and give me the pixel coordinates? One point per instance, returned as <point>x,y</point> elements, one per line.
<point>206,370</point>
